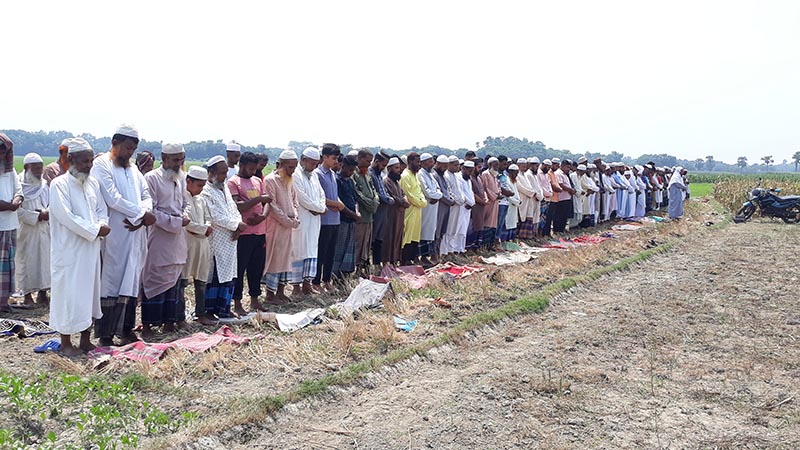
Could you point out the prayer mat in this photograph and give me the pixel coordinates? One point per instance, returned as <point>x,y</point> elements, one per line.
<point>24,328</point>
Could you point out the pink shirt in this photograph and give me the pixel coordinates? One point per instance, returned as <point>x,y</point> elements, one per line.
<point>245,189</point>
<point>563,179</point>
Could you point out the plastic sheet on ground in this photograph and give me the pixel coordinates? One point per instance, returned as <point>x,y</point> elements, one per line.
<point>368,294</point>
<point>626,227</point>
<point>293,322</point>
<point>456,271</point>
<point>152,352</point>
<point>404,325</point>
<point>504,259</point>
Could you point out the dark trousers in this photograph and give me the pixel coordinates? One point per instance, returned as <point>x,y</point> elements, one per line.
<point>119,317</point>
<point>250,257</point>
<point>549,218</point>
<point>325,252</point>
<point>563,211</point>
<point>377,248</point>
<point>410,252</point>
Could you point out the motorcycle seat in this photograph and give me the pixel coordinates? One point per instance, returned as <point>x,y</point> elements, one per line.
<point>786,198</point>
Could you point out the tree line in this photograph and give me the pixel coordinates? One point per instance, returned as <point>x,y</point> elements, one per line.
<point>46,143</point>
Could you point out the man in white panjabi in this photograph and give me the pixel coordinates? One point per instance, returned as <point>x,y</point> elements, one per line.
<point>432,193</point>
<point>129,210</point>
<point>33,237</point>
<point>305,238</point>
<point>449,238</point>
<point>464,182</point>
<point>78,221</point>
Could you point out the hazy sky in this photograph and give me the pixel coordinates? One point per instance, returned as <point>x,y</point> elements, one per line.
<point>688,78</point>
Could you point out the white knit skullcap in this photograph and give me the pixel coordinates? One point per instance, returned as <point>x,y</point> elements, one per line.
<point>442,159</point>
<point>172,149</point>
<point>76,145</point>
<point>198,173</point>
<point>128,130</point>
<point>287,154</point>
<point>32,158</point>
<point>425,157</point>
<point>311,153</point>
<point>547,162</point>
<point>469,164</point>
<point>522,161</point>
<point>392,161</point>
<point>534,160</point>
<point>233,147</point>
<point>216,159</point>
<point>452,158</point>
<point>581,167</point>
<point>513,167</point>
<point>492,160</point>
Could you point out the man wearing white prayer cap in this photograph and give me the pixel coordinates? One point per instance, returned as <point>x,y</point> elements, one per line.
<point>582,160</point>
<point>464,180</point>
<point>32,259</point>
<point>59,166</point>
<point>534,160</point>
<point>392,239</point>
<point>162,290</point>
<point>198,260</point>
<point>439,174</point>
<point>233,153</point>
<point>281,221</point>
<point>124,250</point>
<point>430,214</point>
<point>78,219</point>
<point>454,158</point>
<point>311,205</point>
<point>352,152</point>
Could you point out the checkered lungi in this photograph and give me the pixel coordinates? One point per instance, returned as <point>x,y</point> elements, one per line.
<point>8,247</point>
<point>304,270</point>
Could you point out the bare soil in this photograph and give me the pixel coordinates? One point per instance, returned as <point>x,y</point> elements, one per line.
<point>696,348</point>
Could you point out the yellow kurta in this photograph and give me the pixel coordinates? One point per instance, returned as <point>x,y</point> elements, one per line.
<point>413,217</point>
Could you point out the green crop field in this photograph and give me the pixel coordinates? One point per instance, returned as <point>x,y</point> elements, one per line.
<point>701,189</point>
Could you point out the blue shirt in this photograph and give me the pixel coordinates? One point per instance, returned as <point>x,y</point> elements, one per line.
<point>328,181</point>
<point>377,181</point>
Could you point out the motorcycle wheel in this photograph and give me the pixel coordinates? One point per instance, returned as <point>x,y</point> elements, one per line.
<point>746,212</point>
<point>793,215</point>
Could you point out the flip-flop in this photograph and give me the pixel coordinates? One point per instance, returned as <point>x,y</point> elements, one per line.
<point>52,345</point>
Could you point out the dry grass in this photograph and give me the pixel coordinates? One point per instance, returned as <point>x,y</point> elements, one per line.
<point>732,193</point>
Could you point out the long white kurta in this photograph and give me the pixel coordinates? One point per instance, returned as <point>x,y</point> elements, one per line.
<point>76,214</point>
<point>310,197</point>
<point>431,191</point>
<point>514,202</point>
<point>577,200</point>
<point>198,258</point>
<point>33,239</point>
<point>448,244</point>
<point>526,196</point>
<point>127,197</point>
<point>225,219</point>
<point>464,216</point>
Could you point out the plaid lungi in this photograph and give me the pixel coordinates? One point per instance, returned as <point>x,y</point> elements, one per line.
<point>304,270</point>
<point>344,255</point>
<point>119,317</point>
<point>425,248</point>
<point>272,280</point>
<point>8,246</point>
<point>219,296</point>
<point>166,307</point>
<point>526,229</point>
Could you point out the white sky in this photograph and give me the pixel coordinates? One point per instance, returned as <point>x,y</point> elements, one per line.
<point>688,78</point>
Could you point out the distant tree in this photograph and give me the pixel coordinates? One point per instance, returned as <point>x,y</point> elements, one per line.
<point>767,161</point>
<point>742,162</point>
<point>710,163</point>
<point>796,160</point>
<point>698,164</point>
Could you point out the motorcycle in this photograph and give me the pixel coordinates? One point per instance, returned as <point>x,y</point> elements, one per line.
<point>787,208</point>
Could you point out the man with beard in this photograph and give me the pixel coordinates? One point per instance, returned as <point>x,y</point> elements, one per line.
<point>281,220</point>
<point>368,203</point>
<point>464,181</point>
<point>79,219</point>
<point>305,238</point>
<point>412,225</point>
<point>447,200</point>
<point>449,238</point>
<point>10,201</point>
<point>129,210</point>
<point>533,215</point>
<point>386,202</point>
<point>491,187</point>
<point>478,211</point>
<point>395,216</point>
<point>248,192</point>
<point>162,296</point>
<point>432,193</point>
<point>226,225</point>
<point>564,209</point>
<point>59,166</point>
<point>344,259</point>
<point>33,237</point>
<point>546,218</point>
<point>524,228</point>
<point>512,214</point>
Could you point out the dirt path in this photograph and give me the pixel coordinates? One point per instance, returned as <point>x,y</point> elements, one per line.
<point>695,348</point>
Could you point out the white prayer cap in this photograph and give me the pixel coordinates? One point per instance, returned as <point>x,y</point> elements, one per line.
<point>581,167</point>
<point>522,161</point>
<point>547,162</point>
<point>198,173</point>
<point>287,154</point>
<point>128,130</point>
<point>233,147</point>
<point>442,159</point>
<point>556,160</point>
<point>65,142</point>
<point>513,167</point>
<point>353,152</point>
<point>425,157</point>
<point>311,153</point>
<point>591,166</point>
<point>639,168</point>
<point>582,159</point>
<point>628,172</point>
<point>216,159</point>
<point>404,158</point>
<point>452,158</point>
<point>32,158</point>
<point>76,145</point>
<point>392,161</point>
<point>469,164</point>
<point>172,149</point>
<point>492,160</point>
<point>534,160</point>
<point>461,161</point>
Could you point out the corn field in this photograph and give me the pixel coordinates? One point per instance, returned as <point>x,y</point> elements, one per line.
<point>731,192</point>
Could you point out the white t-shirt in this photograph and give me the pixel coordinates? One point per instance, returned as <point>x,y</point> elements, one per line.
<point>9,188</point>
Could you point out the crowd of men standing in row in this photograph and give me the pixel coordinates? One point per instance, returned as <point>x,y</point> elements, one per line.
<point>105,235</point>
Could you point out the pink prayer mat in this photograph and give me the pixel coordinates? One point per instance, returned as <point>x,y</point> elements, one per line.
<point>152,352</point>
<point>413,275</point>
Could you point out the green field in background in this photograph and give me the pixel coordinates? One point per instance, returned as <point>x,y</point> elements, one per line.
<point>701,189</point>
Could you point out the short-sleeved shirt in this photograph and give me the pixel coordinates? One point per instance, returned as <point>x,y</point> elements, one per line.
<point>247,188</point>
